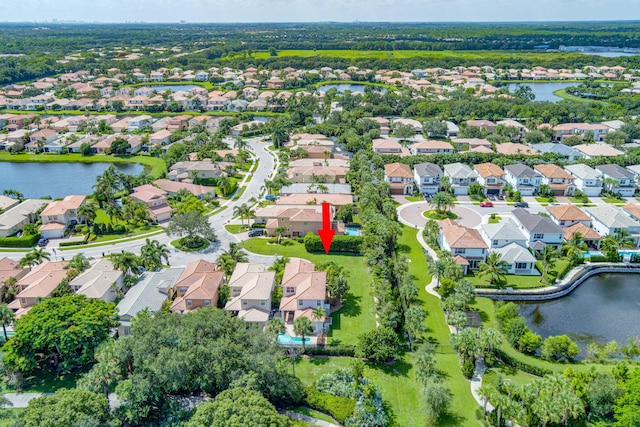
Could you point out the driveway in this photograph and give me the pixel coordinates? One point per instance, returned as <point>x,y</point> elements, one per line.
<point>254,183</point>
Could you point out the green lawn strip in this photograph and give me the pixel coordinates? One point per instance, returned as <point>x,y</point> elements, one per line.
<point>176,244</point>
<point>462,402</point>
<point>239,193</point>
<point>414,198</point>
<point>438,216</point>
<point>25,250</point>
<point>545,199</point>
<point>49,382</point>
<point>110,242</point>
<point>614,200</point>
<point>562,93</point>
<point>312,413</point>
<point>356,315</point>
<point>235,228</point>
<point>512,281</point>
<point>494,219</point>
<point>155,166</point>
<point>9,415</point>
<point>559,270</point>
<point>513,375</point>
<point>206,85</point>
<point>103,218</point>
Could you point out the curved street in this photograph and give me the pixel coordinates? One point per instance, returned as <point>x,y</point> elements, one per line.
<point>254,182</point>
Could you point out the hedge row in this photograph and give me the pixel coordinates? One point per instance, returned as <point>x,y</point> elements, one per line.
<point>19,242</point>
<point>332,350</point>
<point>520,365</point>
<point>340,244</point>
<point>340,408</point>
<point>76,243</point>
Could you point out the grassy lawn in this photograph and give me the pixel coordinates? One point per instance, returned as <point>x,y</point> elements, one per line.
<point>559,270</point>
<point>313,413</point>
<point>356,315</point>
<point>462,403</point>
<point>513,281</point>
<point>507,372</point>
<point>435,215</point>
<point>154,166</point>
<point>577,201</point>
<point>562,93</point>
<point>614,200</point>
<point>106,242</point>
<point>49,382</point>
<point>8,415</point>
<point>414,198</point>
<point>132,231</point>
<point>235,228</point>
<point>494,218</point>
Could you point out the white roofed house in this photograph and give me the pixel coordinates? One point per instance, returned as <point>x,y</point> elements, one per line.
<point>610,220</point>
<point>502,234</point>
<point>588,180</point>
<point>523,179</point>
<point>617,179</point>
<point>139,122</point>
<point>12,220</point>
<point>250,288</point>
<point>427,177</point>
<point>100,281</point>
<point>461,177</point>
<point>389,146</point>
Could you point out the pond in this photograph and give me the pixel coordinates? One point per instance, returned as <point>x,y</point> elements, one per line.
<point>353,87</point>
<point>543,91</point>
<point>56,179</point>
<point>173,88</point>
<point>605,307</point>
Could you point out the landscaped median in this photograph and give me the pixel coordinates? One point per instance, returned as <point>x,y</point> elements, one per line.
<point>154,166</point>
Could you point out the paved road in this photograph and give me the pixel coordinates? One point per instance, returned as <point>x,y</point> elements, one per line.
<point>267,166</point>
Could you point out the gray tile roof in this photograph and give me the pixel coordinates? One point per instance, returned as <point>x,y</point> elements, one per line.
<point>615,171</point>
<point>427,169</point>
<point>582,171</point>
<point>150,292</point>
<point>503,231</point>
<point>513,253</point>
<point>536,224</point>
<point>521,171</point>
<point>459,170</point>
<point>611,217</point>
<point>557,148</point>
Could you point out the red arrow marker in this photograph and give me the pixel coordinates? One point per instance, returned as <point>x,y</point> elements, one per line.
<point>326,234</point>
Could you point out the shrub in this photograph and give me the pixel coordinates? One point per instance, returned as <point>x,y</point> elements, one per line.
<point>332,350</point>
<point>468,368</point>
<point>340,243</point>
<point>559,348</point>
<point>78,243</point>
<point>521,365</point>
<point>340,408</point>
<point>26,241</point>
<point>380,344</point>
<point>119,229</point>
<point>529,342</point>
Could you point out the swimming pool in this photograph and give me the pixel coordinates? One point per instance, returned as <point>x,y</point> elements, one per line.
<point>352,231</point>
<point>286,339</point>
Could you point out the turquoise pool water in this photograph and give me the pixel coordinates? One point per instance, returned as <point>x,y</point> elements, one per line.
<point>352,231</point>
<point>286,339</point>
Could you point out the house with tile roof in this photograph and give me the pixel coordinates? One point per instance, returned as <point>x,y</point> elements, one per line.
<point>149,293</point>
<point>10,268</point>
<point>467,243</point>
<point>58,215</point>
<point>513,148</point>
<point>460,176</point>
<point>399,177</point>
<point>598,150</point>
<point>389,146</point>
<point>155,199</point>
<point>39,283</point>
<point>491,177</point>
<point>485,125</point>
<point>519,260</point>
<point>568,214</point>
<point>297,220</point>
<point>565,130</point>
<point>304,290</point>
<point>559,180</point>
<point>315,199</point>
<point>197,287</point>
<point>431,147</point>
<point>250,288</point>
<point>617,179</point>
<point>18,216</point>
<point>538,229</point>
<point>100,281</point>
<point>427,177</point>
<point>565,152</point>
<point>502,234</point>
<point>631,209</point>
<point>587,179</point>
<point>173,187</point>
<point>589,235</point>
<point>610,220</point>
<point>317,174</point>
<point>523,178</point>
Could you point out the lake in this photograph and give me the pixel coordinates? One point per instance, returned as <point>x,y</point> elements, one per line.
<point>353,87</point>
<point>56,179</point>
<point>543,91</point>
<point>605,307</point>
<point>173,88</point>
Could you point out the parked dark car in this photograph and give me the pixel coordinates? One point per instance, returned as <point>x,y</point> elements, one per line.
<point>521,205</point>
<point>43,242</point>
<point>491,196</point>
<point>500,197</point>
<point>256,233</point>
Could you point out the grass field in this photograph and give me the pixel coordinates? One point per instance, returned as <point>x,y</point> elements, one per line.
<point>513,281</point>
<point>154,166</point>
<point>132,231</point>
<point>356,315</point>
<point>312,413</point>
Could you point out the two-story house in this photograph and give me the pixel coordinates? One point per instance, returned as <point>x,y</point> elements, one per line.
<point>399,177</point>
<point>14,219</point>
<point>491,177</point>
<point>484,125</point>
<point>502,234</point>
<point>139,122</point>
<point>39,283</point>
<point>197,287</point>
<point>460,177</point>
<point>465,244</point>
<point>303,291</point>
<point>538,229</point>
<point>155,199</point>
<point>588,180</point>
<point>203,169</point>
<point>591,151</point>
<point>523,179</point>
<point>567,215</point>
<point>559,180</point>
<point>427,177</point>
<point>519,260</point>
<point>431,147</point>
<point>617,179</point>
<point>294,221</point>
<point>610,220</point>
<point>565,130</point>
<point>250,288</point>
<point>100,281</point>
<point>57,216</point>
<point>565,152</point>
<point>389,146</point>
<point>317,173</point>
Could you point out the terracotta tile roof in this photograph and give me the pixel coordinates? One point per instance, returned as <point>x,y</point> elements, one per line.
<point>587,232</point>
<point>568,212</point>
<point>489,169</point>
<point>10,268</point>
<point>510,148</point>
<point>458,236</point>
<point>553,171</point>
<point>398,170</point>
<point>62,206</point>
<point>633,209</point>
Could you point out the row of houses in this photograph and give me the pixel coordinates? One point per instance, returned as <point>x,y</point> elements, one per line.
<point>513,238</point>
<point>427,178</point>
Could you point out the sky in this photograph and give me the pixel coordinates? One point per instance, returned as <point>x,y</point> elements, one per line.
<point>318,10</point>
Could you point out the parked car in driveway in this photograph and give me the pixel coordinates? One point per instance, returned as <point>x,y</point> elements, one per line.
<point>521,205</point>
<point>500,197</point>
<point>258,232</point>
<point>486,204</point>
<point>491,196</point>
<point>43,242</point>
<point>270,197</point>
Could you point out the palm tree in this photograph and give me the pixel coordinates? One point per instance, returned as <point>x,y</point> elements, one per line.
<point>224,183</point>
<point>127,262</point>
<point>438,269</point>
<point>241,211</point>
<point>279,232</point>
<point>6,317</point>
<point>276,326</point>
<point>152,253</point>
<point>548,256</point>
<point>302,327</point>
<point>575,247</point>
<point>79,263</point>
<point>87,213</point>
<point>278,267</point>
<point>236,253</point>
<point>241,144</point>
<point>494,267</point>
<point>114,212</point>
<point>9,289</point>
<point>485,391</point>
<point>443,202</point>
<point>623,237</point>
<point>35,257</point>
<point>318,313</point>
